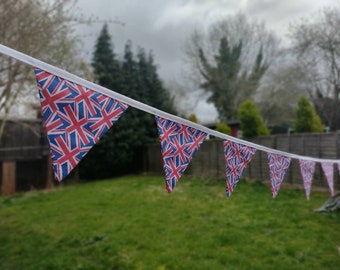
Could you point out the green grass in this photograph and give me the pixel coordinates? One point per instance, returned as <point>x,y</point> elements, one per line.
<point>131,223</point>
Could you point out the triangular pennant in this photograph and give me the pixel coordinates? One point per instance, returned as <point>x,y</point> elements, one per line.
<point>179,144</point>
<point>237,157</point>
<point>307,171</point>
<point>75,119</point>
<point>278,166</point>
<point>327,168</point>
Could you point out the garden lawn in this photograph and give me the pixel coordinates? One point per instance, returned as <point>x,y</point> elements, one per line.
<point>131,223</point>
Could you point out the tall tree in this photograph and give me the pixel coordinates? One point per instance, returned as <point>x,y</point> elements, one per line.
<point>105,65</point>
<point>121,150</point>
<point>225,82</point>
<point>155,93</point>
<point>316,43</point>
<point>307,120</point>
<point>251,48</point>
<point>43,30</point>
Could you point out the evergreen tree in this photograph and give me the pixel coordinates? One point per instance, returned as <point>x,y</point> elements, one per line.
<point>98,163</point>
<point>121,149</point>
<point>105,65</point>
<point>251,120</point>
<point>227,84</point>
<point>307,119</point>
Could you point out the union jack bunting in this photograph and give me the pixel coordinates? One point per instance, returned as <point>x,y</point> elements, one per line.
<point>278,166</point>
<point>179,144</point>
<point>237,157</point>
<point>307,171</point>
<point>327,168</point>
<point>75,119</point>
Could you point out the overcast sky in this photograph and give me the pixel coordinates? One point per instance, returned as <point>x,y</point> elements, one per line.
<point>162,26</point>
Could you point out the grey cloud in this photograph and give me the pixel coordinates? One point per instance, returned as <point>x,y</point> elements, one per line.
<point>163,26</point>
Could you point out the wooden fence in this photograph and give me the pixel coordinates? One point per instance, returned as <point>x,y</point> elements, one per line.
<point>25,161</point>
<point>209,160</point>
<point>24,157</point>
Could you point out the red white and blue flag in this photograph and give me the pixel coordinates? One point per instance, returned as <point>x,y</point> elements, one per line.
<point>179,144</point>
<point>307,171</point>
<point>237,157</point>
<point>278,166</point>
<point>75,119</point>
<point>327,168</point>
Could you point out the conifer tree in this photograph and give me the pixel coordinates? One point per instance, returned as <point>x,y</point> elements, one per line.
<point>98,163</point>
<point>307,119</point>
<point>251,120</point>
<point>105,65</point>
<point>120,151</point>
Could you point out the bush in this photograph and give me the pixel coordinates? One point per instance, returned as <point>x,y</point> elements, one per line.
<point>223,128</point>
<point>251,120</point>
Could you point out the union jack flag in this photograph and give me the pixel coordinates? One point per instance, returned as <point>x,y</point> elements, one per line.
<point>307,171</point>
<point>327,168</point>
<point>278,166</point>
<point>179,144</point>
<point>75,119</point>
<point>237,157</point>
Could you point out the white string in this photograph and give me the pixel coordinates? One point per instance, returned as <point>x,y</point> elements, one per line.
<point>141,106</point>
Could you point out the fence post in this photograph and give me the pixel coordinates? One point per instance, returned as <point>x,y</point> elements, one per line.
<point>49,173</point>
<point>8,177</point>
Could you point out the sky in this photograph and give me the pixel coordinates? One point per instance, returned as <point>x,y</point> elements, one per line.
<point>163,26</point>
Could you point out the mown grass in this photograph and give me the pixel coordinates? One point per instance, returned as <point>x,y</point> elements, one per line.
<point>131,223</point>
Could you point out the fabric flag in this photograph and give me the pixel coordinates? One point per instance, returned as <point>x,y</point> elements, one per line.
<point>179,144</point>
<point>307,171</point>
<point>278,166</point>
<point>237,157</point>
<point>327,168</point>
<point>75,119</point>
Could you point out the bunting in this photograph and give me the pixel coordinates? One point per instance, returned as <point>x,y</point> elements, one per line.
<point>77,113</point>
<point>327,168</point>
<point>75,119</point>
<point>307,171</point>
<point>278,165</point>
<point>179,144</point>
<point>237,157</point>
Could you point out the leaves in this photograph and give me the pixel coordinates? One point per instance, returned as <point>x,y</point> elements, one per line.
<point>251,121</point>
<point>225,82</point>
<point>121,150</point>
<point>307,119</point>
<point>41,29</point>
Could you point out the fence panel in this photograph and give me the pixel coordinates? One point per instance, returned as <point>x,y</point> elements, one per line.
<point>209,160</point>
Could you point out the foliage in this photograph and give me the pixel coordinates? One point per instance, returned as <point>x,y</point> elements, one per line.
<point>126,224</point>
<point>105,64</point>
<point>41,29</point>
<point>228,61</point>
<point>251,120</point>
<point>223,128</point>
<point>227,85</point>
<point>193,118</point>
<point>121,149</point>
<point>316,44</point>
<point>307,120</point>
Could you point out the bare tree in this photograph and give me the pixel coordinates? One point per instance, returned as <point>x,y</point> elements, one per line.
<point>42,29</point>
<point>280,90</point>
<point>316,43</point>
